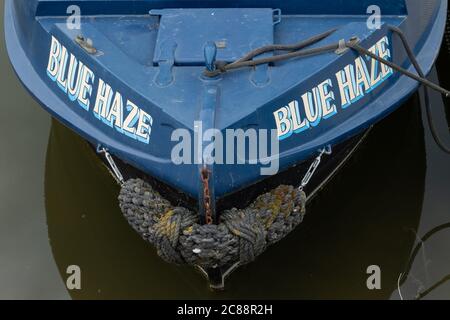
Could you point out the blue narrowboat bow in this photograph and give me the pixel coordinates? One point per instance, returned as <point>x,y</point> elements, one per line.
<point>132,76</point>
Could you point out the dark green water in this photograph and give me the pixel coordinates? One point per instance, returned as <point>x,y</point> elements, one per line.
<point>58,208</point>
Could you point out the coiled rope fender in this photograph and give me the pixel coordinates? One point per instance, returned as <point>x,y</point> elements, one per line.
<point>241,236</point>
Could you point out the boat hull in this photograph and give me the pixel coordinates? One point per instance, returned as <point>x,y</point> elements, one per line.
<point>34,28</point>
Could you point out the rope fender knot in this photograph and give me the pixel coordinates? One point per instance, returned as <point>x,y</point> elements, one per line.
<point>241,236</point>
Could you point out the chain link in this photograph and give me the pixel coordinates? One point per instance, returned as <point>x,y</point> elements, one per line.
<point>206,196</point>
<point>118,175</point>
<point>314,165</point>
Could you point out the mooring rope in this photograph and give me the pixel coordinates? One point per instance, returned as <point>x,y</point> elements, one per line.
<point>353,44</point>
<point>222,67</point>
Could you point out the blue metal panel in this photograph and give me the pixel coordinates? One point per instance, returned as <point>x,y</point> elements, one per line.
<point>323,7</point>
<point>191,29</point>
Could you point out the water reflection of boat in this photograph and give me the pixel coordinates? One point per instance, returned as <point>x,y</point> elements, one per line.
<point>384,186</point>
<point>137,74</point>
<point>426,273</point>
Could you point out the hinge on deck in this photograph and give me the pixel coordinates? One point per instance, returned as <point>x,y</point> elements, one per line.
<point>166,61</point>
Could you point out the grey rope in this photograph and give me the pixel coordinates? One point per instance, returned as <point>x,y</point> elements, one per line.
<point>419,78</point>
<point>246,61</point>
<point>281,47</point>
<point>222,67</point>
<point>241,236</point>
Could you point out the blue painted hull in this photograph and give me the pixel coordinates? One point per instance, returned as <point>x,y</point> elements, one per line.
<point>131,60</point>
